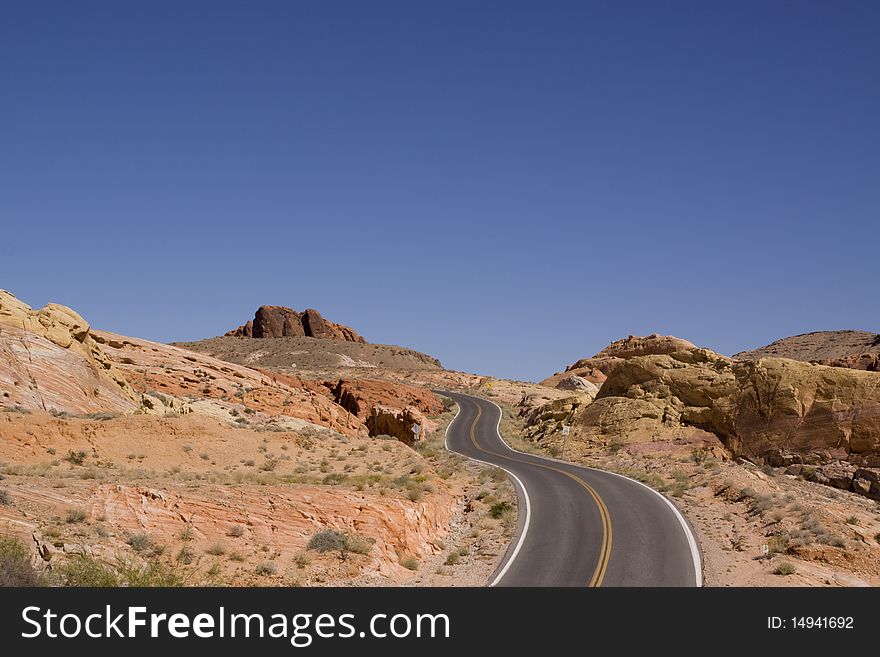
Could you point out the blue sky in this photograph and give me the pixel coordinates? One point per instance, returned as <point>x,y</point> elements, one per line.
<point>508,186</point>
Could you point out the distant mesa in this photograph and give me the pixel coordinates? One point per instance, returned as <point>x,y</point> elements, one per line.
<point>858,350</point>
<point>282,322</point>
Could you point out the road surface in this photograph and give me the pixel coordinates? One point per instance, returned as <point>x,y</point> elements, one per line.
<point>577,526</point>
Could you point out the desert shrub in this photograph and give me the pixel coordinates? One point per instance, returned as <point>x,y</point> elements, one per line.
<point>302,560</point>
<point>452,559</point>
<point>17,409</point>
<point>101,416</point>
<point>185,556</point>
<point>679,488</point>
<point>15,565</point>
<point>266,568</point>
<point>834,541</point>
<point>777,543</point>
<point>5,498</point>
<point>217,549</point>
<point>327,540</point>
<point>499,509</point>
<point>410,563</point>
<point>270,464</point>
<point>76,458</point>
<point>785,568</point>
<point>414,494</point>
<point>358,544</point>
<point>87,571</point>
<point>139,542</point>
<point>152,574</point>
<point>74,516</point>
<point>852,520</point>
<point>236,531</point>
<point>236,556</point>
<point>699,454</point>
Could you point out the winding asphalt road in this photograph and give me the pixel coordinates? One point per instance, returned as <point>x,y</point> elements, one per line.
<point>577,526</point>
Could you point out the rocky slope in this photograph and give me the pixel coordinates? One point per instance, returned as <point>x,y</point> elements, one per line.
<point>858,350</point>
<point>173,379</point>
<point>311,357</point>
<point>197,458</point>
<point>279,322</point>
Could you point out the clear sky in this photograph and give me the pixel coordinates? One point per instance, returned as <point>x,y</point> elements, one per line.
<point>507,186</point>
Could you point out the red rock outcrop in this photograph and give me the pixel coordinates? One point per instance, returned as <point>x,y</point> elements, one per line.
<point>387,408</point>
<point>280,322</point>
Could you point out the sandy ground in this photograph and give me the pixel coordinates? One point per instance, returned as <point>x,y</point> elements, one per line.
<point>237,506</point>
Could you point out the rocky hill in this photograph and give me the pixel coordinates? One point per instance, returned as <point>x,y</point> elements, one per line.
<point>319,358</point>
<point>769,410</point>
<point>858,350</point>
<point>169,459</point>
<point>280,322</point>
<point>597,368</point>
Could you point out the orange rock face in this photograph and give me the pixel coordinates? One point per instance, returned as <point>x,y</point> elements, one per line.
<point>151,366</point>
<point>387,408</point>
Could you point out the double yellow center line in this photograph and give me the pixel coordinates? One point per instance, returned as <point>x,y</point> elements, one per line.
<point>605,550</point>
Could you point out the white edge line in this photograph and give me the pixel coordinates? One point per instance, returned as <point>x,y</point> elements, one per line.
<point>689,535</point>
<point>525,529</point>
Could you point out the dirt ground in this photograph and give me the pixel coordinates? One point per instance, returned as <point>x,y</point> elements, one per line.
<point>218,505</point>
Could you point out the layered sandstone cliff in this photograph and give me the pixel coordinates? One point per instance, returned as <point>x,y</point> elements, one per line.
<point>49,361</point>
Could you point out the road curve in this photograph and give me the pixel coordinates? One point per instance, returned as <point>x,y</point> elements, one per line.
<point>577,526</point>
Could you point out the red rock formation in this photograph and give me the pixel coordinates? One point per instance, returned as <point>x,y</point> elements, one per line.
<point>387,408</point>
<point>280,322</point>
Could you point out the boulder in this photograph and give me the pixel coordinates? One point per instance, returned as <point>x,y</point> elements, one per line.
<point>866,481</point>
<point>578,384</point>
